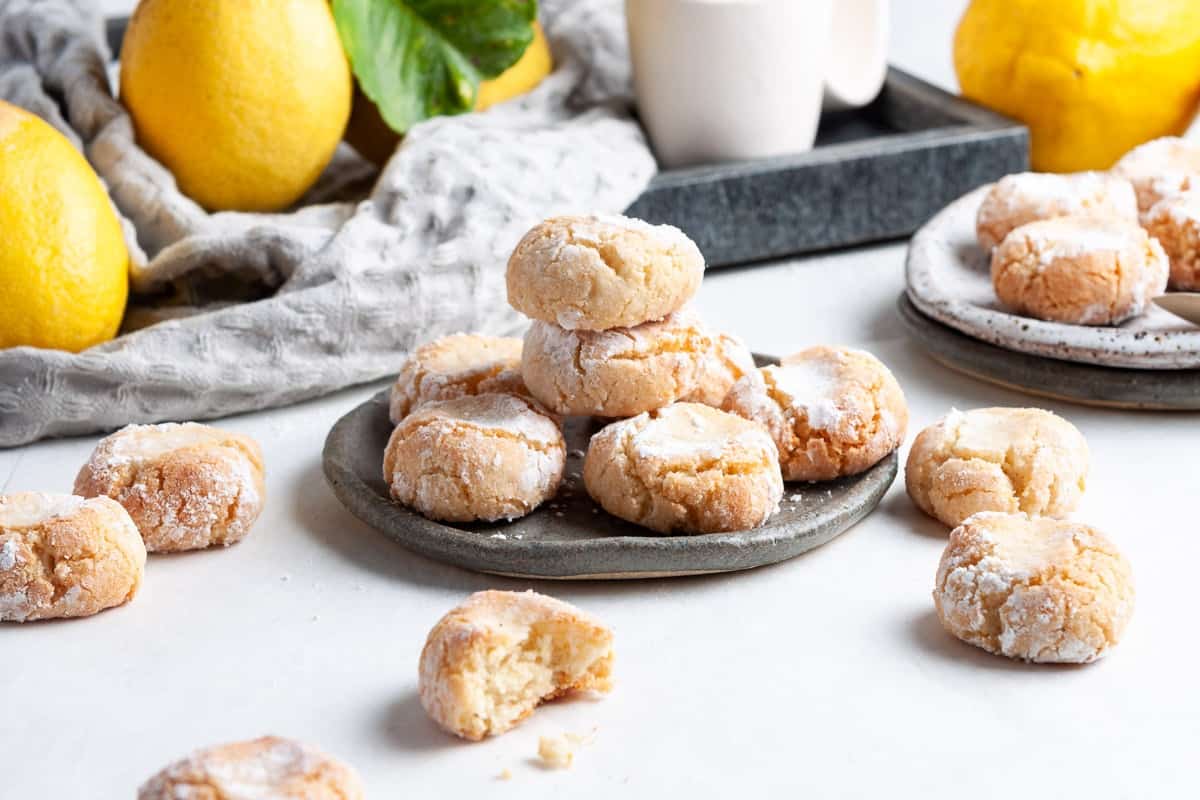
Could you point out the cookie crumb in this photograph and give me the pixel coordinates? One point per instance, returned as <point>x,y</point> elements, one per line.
<point>505,775</point>
<point>556,752</point>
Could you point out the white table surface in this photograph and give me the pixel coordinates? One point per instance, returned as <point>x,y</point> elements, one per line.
<point>828,673</point>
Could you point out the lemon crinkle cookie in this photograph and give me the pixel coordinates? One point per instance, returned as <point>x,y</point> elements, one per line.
<point>65,556</point>
<point>1078,270</point>
<point>488,663</point>
<point>726,361</point>
<point>997,459</point>
<point>1175,223</point>
<point>456,366</point>
<point>619,372</point>
<point>1031,196</point>
<point>600,272</point>
<point>187,486</point>
<point>1161,168</point>
<point>1036,589</point>
<point>482,457</point>
<point>268,767</point>
<point>686,468</point>
<point>832,411</point>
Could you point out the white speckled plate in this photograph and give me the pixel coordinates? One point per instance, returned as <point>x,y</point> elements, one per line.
<point>948,280</point>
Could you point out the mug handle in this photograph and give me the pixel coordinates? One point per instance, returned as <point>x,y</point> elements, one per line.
<point>857,64</point>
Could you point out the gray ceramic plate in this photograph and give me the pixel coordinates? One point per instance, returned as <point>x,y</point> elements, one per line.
<point>949,280</point>
<point>570,537</point>
<point>1157,390</point>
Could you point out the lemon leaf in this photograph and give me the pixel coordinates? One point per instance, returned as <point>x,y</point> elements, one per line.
<point>416,59</point>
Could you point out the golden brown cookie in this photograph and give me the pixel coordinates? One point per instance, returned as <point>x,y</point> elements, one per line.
<point>726,361</point>
<point>1175,223</point>
<point>1030,196</point>
<point>595,273</point>
<point>1083,271</point>
<point>686,468</point>
<point>481,457</point>
<point>456,366</point>
<point>187,486</point>
<point>832,411</point>
<point>496,657</point>
<point>64,556</point>
<point>267,768</point>
<point>1033,588</point>
<point>616,373</point>
<point>997,459</point>
<point>1161,168</point>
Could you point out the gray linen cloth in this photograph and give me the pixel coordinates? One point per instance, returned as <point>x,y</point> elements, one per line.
<point>352,285</point>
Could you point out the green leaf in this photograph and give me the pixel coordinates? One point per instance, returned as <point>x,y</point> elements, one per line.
<point>416,59</point>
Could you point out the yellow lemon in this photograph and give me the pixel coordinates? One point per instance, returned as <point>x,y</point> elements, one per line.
<point>243,100</point>
<point>64,270</point>
<point>1091,78</point>
<point>373,139</point>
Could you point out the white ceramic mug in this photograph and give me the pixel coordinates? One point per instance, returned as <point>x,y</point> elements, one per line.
<point>725,80</point>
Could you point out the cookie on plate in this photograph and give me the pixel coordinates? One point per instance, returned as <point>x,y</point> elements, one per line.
<point>1079,270</point>
<point>269,767</point>
<point>686,468</point>
<point>619,372</point>
<point>599,272</point>
<point>1033,588</point>
<point>1161,168</point>
<point>832,411</point>
<point>64,556</point>
<point>727,361</point>
<point>1016,200</point>
<point>480,457</point>
<point>489,662</point>
<point>456,366</point>
<point>187,486</point>
<point>1175,223</point>
<point>997,459</point>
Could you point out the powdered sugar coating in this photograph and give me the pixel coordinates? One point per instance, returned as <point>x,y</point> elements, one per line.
<point>1175,223</point>
<point>32,508</point>
<point>726,361</point>
<point>1160,169</point>
<point>1016,200</point>
<point>455,366</point>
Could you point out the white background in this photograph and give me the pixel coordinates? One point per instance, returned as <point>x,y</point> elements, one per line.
<point>827,674</point>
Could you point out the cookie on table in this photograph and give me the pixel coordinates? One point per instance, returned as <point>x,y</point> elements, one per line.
<point>1161,168</point>
<point>997,459</point>
<point>1079,270</point>
<point>64,556</point>
<point>726,362</point>
<point>187,486</point>
<point>686,468</point>
<point>456,366</point>
<point>480,457</point>
<point>1175,223</point>
<point>832,411</point>
<point>269,767</point>
<point>1033,588</point>
<point>615,373</point>
<point>488,663</point>
<point>599,272</point>
<point>1027,197</point>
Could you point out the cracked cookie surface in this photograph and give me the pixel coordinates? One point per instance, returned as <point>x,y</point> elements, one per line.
<point>1175,223</point>
<point>1016,200</point>
<point>456,366</point>
<point>268,767</point>
<point>832,411</point>
<point>1160,169</point>
<point>482,457</point>
<point>686,468</point>
<point>619,372</point>
<point>726,361</point>
<point>599,272</point>
<point>997,459</point>
<point>65,556</point>
<point>1079,270</point>
<point>1036,589</point>
<point>187,486</point>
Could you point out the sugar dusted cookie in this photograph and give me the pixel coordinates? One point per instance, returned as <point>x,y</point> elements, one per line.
<point>686,468</point>
<point>997,459</point>
<point>1083,271</point>
<point>456,366</point>
<point>1035,589</point>
<point>595,273</point>
<point>186,486</point>
<point>726,362</point>
<point>481,457</point>
<point>832,411</point>
<point>491,661</point>
<point>616,373</point>
<point>64,556</point>
<point>266,768</point>
<point>1175,223</point>
<point>1030,196</point>
<point>1161,168</point>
